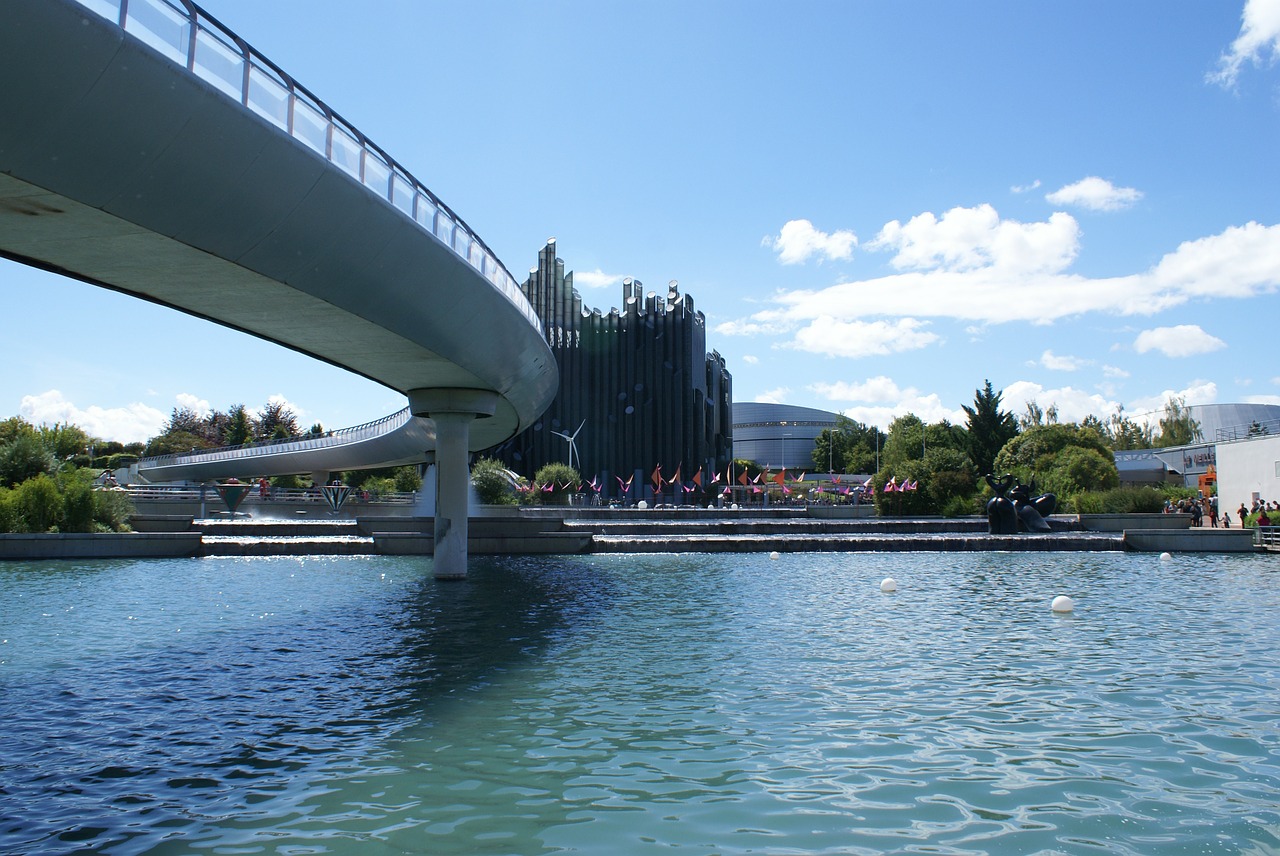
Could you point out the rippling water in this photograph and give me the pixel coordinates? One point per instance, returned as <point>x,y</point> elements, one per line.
<point>629,704</point>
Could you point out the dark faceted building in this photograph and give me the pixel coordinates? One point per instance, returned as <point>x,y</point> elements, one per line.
<point>638,389</point>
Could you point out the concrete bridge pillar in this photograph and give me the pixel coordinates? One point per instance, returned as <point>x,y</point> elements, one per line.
<point>453,411</point>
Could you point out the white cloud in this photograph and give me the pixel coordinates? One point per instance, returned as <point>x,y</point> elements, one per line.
<point>750,359</point>
<point>1057,363</point>
<point>1114,371</point>
<point>799,240</point>
<point>1259,36</point>
<point>774,396</point>
<point>133,423</point>
<point>1025,188</point>
<point>596,278</point>
<point>970,265</point>
<point>1197,392</point>
<point>874,389</point>
<point>840,338</point>
<point>1073,404</point>
<point>1095,194</point>
<point>193,403</point>
<point>1262,399</point>
<point>1184,340</point>
<point>929,408</point>
<point>966,239</point>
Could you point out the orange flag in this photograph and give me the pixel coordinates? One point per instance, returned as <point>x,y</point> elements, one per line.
<point>742,478</point>
<point>697,478</point>
<point>780,477</point>
<point>656,476</point>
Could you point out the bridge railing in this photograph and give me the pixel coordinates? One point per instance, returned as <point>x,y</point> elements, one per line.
<point>195,40</point>
<point>247,451</point>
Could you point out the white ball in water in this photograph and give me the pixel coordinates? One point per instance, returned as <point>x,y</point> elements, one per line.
<point>888,584</point>
<point>1166,557</point>
<point>774,555</point>
<point>1062,603</point>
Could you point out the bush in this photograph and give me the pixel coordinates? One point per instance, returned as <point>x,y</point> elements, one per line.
<point>557,476</point>
<point>24,458</point>
<point>77,507</point>
<point>379,486</point>
<point>1120,500</point>
<point>958,506</point>
<point>8,511</point>
<point>112,510</point>
<point>492,482</point>
<point>39,504</point>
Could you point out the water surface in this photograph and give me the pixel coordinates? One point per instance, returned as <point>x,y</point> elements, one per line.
<point>698,703</point>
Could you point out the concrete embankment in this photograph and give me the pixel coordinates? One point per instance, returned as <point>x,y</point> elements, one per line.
<point>520,531</point>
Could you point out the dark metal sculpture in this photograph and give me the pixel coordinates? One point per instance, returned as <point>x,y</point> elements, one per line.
<point>1013,509</point>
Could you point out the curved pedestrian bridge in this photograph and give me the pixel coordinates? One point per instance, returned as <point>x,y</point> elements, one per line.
<point>146,148</point>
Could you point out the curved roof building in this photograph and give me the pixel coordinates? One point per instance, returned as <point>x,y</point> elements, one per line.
<point>778,435</point>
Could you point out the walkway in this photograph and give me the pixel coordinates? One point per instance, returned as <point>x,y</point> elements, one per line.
<point>147,149</point>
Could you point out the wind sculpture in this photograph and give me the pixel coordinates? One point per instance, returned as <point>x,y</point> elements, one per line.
<point>573,441</point>
<point>1017,512</point>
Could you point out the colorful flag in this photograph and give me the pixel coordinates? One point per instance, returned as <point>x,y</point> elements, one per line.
<point>780,477</point>
<point>742,478</point>
<point>697,477</point>
<point>656,476</point>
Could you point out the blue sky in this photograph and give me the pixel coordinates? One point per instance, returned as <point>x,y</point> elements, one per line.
<point>876,205</point>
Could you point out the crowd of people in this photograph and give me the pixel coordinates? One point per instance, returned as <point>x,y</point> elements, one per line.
<point>1204,511</point>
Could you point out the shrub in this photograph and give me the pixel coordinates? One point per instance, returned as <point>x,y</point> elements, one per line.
<point>24,458</point>
<point>39,504</point>
<point>77,507</point>
<point>1120,500</point>
<point>112,510</point>
<point>8,511</point>
<point>492,482</point>
<point>563,480</point>
<point>379,486</point>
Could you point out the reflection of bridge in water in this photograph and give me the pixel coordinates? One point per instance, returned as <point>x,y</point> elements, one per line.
<point>147,149</point>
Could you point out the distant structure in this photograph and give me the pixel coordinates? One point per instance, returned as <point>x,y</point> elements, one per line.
<point>779,435</point>
<point>1195,465</point>
<point>638,389</point>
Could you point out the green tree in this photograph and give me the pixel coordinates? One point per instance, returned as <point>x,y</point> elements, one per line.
<point>64,440</point>
<point>1038,455</point>
<point>23,458</point>
<point>239,428</point>
<point>15,427</point>
<point>274,416</point>
<point>1123,434</point>
<point>1177,426</point>
<point>905,442</point>
<point>848,448</point>
<point>989,427</point>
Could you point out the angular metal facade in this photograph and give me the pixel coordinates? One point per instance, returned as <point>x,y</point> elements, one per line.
<point>638,381</point>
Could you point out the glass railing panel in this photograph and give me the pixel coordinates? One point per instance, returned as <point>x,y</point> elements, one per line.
<point>461,241</point>
<point>310,125</point>
<point>345,150</point>
<point>377,173</point>
<point>476,256</point>
<point>402,193</point>
<point>269,96</point>
<point>444,228</point>
<point>161,26</point>
<point>219,63</point>
<point>109,9</point>
<point>426,213</point>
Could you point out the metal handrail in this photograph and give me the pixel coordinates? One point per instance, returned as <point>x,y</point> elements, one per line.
<point>192,38</point>
<point>341,437</point>
<point>1268,428</point>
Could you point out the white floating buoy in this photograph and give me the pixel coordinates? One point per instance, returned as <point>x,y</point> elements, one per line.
<point>888,584</point>
<point>1062,603</point>
<point>1166,557</point>
<point>774,555</point>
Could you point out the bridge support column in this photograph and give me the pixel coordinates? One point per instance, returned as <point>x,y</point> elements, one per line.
<point>453,411</point>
